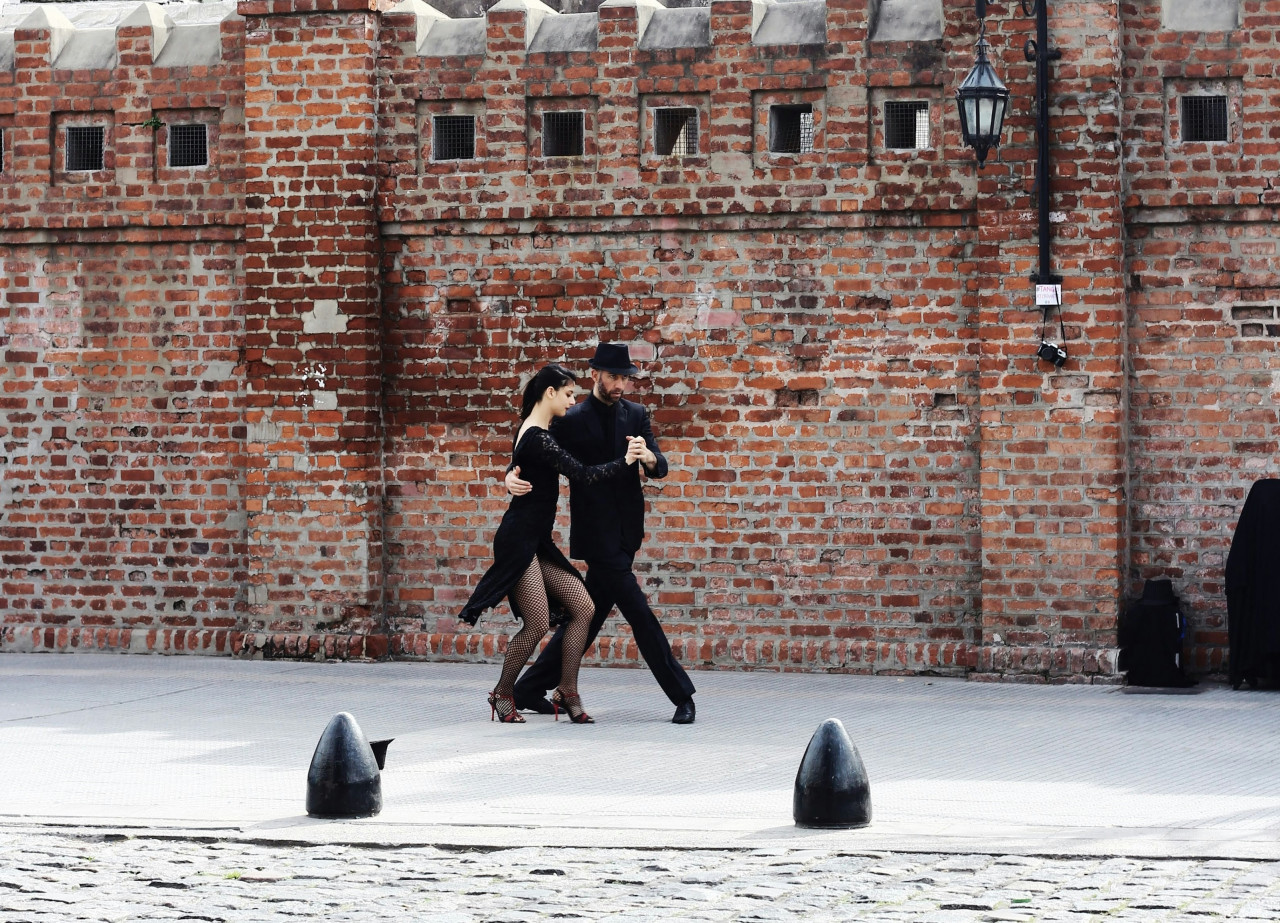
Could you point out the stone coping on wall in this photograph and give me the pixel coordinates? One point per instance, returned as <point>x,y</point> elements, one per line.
<point>186,33</point>
<point>85,36</point>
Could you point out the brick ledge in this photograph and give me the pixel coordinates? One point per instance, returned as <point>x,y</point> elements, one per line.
<point>909,658</point>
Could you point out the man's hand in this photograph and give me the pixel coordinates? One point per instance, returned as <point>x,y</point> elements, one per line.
<point>515,486</point>
<point>637,447</point>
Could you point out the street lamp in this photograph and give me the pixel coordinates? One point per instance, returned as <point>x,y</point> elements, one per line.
<point>983,102</point>
<point>983,99</point>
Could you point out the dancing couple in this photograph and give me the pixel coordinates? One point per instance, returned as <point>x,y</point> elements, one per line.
<point>600,445</point>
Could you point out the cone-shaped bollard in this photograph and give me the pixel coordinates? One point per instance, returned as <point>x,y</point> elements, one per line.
<point>831,787</point>
<point>344,779</point>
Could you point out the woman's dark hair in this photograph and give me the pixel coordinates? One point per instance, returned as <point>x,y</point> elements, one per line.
<point>549,376</point>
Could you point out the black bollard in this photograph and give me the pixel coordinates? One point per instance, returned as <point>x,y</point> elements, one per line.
<point>832,789</point>
<point>344,779</point>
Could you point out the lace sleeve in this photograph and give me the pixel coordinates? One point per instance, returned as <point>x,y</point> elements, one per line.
<point>544,448</point>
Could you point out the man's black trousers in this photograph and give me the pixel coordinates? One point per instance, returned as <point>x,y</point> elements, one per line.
<point>612,583</point>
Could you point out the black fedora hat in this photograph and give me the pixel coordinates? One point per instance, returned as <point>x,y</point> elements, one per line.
<point>615,358</point>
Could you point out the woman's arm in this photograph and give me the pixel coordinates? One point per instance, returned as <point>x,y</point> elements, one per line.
<point>543,447</point>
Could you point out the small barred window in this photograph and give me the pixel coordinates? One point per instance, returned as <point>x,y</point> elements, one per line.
<point>675,132</point>
<point>791,129</point>
<point>453,137</point>
<point>1204,118</point>
<point>562,134</point>
<point>84,147</point>
<point>906,125</point>
<point>188,145</point>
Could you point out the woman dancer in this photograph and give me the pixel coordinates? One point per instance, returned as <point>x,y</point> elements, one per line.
<point>540,583</point>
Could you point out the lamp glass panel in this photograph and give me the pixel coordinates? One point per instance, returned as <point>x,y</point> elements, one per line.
<point>1001,106</point>
<point>985,114</point>
<point>969,108</point>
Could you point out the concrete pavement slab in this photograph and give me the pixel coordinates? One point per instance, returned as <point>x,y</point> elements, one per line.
<point>219,747</point>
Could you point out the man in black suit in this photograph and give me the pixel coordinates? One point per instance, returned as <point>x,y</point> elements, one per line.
<point>606,526</point>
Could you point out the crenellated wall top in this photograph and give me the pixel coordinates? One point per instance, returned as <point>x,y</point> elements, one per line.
<point>83,35</point>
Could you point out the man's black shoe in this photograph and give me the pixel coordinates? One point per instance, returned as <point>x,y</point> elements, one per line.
<point>540,705</point>
<point>685,713</point>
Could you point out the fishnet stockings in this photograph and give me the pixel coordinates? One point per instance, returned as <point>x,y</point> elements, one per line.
<point>529,600</point>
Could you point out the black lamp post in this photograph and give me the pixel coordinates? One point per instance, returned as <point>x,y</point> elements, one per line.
<point>983,101</point>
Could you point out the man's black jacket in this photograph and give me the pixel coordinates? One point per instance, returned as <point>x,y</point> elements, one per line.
<point>606,519</point>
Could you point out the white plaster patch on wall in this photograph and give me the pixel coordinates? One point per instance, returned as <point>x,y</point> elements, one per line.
<point>316,377</point>
<point>259,595</point>
<point>218,370</point>
<point>681,313</point>
<point>62,310</point>
<point>712,315</point>
<point>264,431</point>
<point>324,317</point>
<point>705,302</point>
<point>641,351</point>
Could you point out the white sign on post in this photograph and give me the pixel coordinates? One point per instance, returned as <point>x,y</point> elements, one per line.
<point>1048,296</point>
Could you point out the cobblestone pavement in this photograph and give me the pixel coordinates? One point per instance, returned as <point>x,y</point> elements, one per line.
<point>48,876</point>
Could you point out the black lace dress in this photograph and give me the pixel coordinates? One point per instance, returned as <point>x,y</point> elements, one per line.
<point>525,530</point>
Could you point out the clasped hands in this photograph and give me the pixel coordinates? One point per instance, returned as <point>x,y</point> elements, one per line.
<point>638,451</point>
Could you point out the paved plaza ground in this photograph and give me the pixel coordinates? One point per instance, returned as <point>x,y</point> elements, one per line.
<point>149,788</point>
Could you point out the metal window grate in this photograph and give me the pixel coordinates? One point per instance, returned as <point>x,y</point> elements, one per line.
<point>562,134</point>
<point>84,147</point>
<point>906,125</point>
<point>1204,118</point>
<point>675,132</point>
<point>188,145</point>
<point>453,137</point>
<point>791,129</point>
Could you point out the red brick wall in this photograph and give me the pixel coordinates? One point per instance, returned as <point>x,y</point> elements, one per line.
<point>821,511</point>
<point>821,506</point>
<point>123,432</point>
<point>1203,290</point>
<point>312,340</point>
<point>311,348</point>
<point>121,330</point>
<point>1053,442</point>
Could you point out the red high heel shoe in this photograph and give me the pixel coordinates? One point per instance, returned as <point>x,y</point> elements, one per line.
<point>503,707</point>
<point>571,702</point>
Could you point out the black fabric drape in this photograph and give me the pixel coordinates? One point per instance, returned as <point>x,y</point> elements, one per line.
<point>1253,586</point>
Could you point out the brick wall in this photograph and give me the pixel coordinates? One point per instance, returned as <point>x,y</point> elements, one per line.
<point>1203,291</point>
<point>821,507</point>
<point>1054,442</point>
<point>318,338</point>
<point>122,330</point>
<point>312,344</point>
